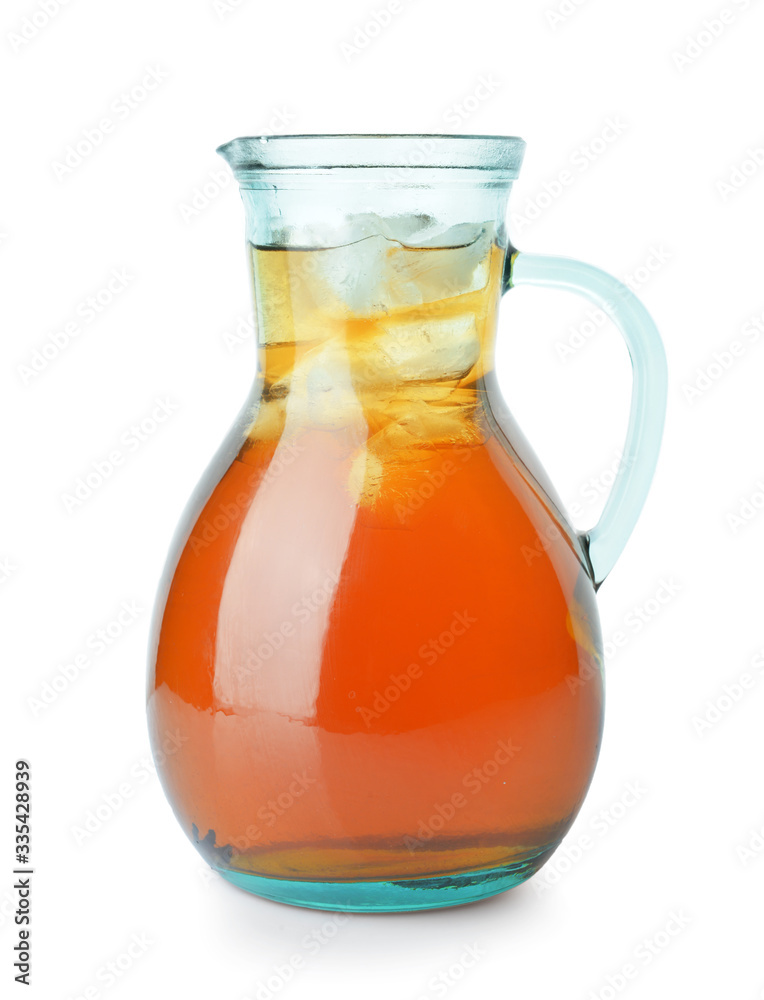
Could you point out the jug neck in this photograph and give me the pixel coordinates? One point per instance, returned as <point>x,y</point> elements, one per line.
<point>377,341</point>
<point>376,266</point>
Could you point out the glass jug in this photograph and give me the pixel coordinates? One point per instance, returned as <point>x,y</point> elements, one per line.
<point>376,640</point>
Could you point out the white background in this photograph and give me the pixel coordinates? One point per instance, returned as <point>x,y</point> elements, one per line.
<point>650,195</point>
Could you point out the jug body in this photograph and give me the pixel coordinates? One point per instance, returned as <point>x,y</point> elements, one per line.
<point>377,632</point>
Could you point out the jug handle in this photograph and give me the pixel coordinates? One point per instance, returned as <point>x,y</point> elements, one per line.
<point>605,542</point>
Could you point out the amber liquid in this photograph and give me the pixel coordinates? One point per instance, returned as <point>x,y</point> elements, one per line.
<point>378,640</point>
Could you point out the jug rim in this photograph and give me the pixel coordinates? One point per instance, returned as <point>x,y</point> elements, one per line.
<point>499,154</point>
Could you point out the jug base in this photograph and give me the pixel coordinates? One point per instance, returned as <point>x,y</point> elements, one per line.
<point>390,896</point>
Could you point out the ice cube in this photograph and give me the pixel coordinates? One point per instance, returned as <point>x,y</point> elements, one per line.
<point>321,391</point>
<point>427,349</point>
<point>414,230</point>
<point>419,276</point>
<point>414,425</point>
<point>366,476</point>
<point>381,271</point>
